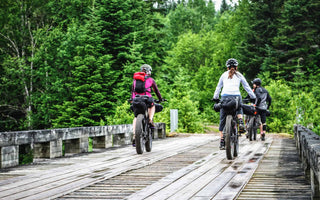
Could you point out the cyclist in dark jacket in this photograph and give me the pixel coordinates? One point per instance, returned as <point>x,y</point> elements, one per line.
<point>263,103</point>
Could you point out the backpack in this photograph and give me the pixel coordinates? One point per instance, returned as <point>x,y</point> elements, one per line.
<point>140,86</point>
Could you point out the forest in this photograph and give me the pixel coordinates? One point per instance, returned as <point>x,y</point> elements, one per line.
<point>70,63</point>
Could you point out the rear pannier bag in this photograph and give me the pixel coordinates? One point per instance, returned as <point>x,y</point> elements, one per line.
<point>248,109</point>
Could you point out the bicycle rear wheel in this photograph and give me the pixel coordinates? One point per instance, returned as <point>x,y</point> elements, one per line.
<point>140,132</point>
<point>227,131</point>
<point>251,127</point>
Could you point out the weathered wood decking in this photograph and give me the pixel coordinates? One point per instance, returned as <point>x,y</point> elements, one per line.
<point>190,167</point>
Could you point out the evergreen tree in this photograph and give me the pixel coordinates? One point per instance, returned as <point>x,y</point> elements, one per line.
<point>298,43</point>
<point>90,76</point>
<point>224,6</point>
<point>262,23</point>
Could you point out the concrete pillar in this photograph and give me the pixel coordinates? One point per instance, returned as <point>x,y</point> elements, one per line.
<point>9,156</point>
<point>56,148</point>
<point>160,130</point>
<point>119,139</point>
<point>102,141</point>
<point>80,145</point>
<point>41,150</point>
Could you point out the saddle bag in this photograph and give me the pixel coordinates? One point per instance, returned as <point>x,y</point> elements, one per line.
<point>139,106</point>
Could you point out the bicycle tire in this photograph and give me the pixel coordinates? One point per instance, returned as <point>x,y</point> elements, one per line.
<point>140,128</point>
<point>235,139</point>
<point>149,140</point>
<point>228,140</point>
<point>251,127</point>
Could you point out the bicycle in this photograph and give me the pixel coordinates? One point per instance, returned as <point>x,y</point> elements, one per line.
<point>143,130</point>
<point>230,131</point>
<point>252,126</point>
<point>252,121</point>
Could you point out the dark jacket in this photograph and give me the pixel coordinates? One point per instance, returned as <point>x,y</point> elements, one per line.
<point>263,98</point>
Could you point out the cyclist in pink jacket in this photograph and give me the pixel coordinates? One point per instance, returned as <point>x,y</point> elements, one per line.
<point>150,85</point>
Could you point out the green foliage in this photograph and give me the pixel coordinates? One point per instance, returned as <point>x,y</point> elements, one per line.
<point>283,111</point>
<point>123,115</point>
<point>71,62</point>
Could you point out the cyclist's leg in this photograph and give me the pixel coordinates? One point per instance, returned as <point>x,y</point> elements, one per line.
<point>222,124</point>
<point>134,130</point>
<point>263,125</point>
<point>151,110</point>
<point>242,128</point>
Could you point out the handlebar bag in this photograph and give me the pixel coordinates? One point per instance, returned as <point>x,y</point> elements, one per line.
<point>248,109</point>
<point>159,107</point>
<point>230,104</point>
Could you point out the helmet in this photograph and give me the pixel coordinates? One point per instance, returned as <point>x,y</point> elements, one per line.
<point>257,81</point>
<point>231,62</point>
<point>147,68</point>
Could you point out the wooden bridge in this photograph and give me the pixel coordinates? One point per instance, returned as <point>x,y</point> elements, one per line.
<point>188,166</point>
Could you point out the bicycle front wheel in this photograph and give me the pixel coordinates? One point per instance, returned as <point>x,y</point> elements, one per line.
<point>228,139</point>
<point>149,140</point>
<point>140,129</point>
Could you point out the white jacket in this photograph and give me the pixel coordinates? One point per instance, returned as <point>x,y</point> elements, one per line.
<point>231,86</point>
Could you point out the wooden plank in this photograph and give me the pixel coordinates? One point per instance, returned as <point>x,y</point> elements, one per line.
<point>55,182</point>
<point>279,176</point>
<point>233,188</point>
<point>218,185</point>
<point>184,183</point>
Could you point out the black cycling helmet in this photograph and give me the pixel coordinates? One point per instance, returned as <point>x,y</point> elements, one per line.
<point>257,81</point>
<point>231,62</point>
<point>146,68</point>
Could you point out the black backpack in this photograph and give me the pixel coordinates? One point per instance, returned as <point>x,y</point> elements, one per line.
<point>140,86</point>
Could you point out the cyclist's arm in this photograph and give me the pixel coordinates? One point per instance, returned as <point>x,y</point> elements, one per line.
<point>247,88</point>
<point>156,90</point>
<point>218,88</point>
<point>269,99</point>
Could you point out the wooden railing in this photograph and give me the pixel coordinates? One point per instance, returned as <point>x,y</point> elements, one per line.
<point>49,143</point>
<point>308,145</point>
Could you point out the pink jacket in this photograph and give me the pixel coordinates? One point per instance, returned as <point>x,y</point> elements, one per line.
<point>150,83</point>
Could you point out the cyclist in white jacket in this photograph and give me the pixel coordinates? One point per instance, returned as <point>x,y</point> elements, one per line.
<point>230,84</point>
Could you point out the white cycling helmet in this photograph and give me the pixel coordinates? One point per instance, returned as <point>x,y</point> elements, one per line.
<point>146,68</point>
<point>231,62</point>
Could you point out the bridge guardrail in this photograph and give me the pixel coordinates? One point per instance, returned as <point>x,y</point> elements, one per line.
<point>48,143</point>
<point>308,145</point>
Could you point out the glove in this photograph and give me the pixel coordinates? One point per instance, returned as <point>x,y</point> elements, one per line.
<point>215,100</point>
<point>253,100</point>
